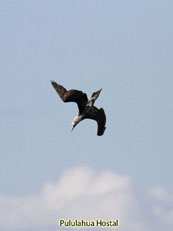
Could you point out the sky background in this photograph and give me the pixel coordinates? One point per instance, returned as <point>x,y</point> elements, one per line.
<point>122,46</point>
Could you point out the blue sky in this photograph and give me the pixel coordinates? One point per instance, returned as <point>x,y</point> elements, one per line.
<point>124,47</point>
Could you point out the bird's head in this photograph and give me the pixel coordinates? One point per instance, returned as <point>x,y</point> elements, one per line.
<point>76,120</point>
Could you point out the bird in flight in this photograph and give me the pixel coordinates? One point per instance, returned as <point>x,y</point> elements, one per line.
<point>86,107</point>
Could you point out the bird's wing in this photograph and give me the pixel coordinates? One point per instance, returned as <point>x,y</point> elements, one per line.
<point>94,97</point>
<point>96,94</point>
<point>71,96</point>
<point>99,116</point>
<point>59,89</point>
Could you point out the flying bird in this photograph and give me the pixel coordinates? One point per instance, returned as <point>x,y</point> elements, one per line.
<point>86,107</point>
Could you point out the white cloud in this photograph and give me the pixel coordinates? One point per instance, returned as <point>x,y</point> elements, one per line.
<point>81,193</point>
<point>162,206</point>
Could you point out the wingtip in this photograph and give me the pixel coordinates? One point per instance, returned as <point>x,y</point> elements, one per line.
<point>99,90</point>
<point>53,82</point>
<point>100,133</point>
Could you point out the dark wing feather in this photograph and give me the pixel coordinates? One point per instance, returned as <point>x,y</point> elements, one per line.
<point>99,116</point>
<point>71,96</point>
<point>94,97</point>
<point>59,89</point>
<point>96,94</point>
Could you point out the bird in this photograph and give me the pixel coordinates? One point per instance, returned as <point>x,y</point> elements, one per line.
<point>86,107</point>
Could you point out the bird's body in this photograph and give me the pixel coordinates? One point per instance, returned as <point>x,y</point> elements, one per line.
<point>87,110</point>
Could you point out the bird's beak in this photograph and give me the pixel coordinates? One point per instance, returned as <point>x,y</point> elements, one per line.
<point>72,128</point>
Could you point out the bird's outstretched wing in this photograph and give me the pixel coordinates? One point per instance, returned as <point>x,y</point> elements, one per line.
<point>94,96</point>
<point>99,116</point>
<point>71,96</point>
